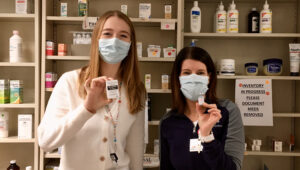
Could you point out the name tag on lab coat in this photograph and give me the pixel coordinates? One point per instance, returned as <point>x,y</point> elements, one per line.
<point>195,145</point>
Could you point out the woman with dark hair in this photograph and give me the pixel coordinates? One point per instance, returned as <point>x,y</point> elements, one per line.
<point>201,132</point>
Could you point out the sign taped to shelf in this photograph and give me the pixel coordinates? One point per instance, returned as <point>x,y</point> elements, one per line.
<point>167,25</point>
<point>254,99</point>
<point>89,23</point>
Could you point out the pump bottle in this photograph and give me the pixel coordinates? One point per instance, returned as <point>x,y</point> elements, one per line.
<point>232,19</point>
<point>266,19</point>
<point>195,18</point>
<point>220,19</point>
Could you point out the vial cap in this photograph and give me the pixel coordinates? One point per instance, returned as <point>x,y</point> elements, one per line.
<point>253,9</point>
<point>13,161</point>
<point>15,32</point>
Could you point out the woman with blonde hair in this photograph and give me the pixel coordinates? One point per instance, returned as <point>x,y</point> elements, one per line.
<point>95,132</point>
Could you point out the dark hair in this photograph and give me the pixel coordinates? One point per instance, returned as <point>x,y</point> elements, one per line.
<point>199,54</point>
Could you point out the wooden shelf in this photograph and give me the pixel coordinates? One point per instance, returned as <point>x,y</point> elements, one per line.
<point>142,59</point>
<point>241,35</point>
<point>16,17</point>
<point>24,105</point>
<point>270,153</point>
<point>154,59</point>
<point>52,155</point>
<point>260,77</point>
<point>288,115</point>
<point>148,90</point>
<point>68,58</point>
<point>152,20</point>
<point>14,139</point>
<point>8,64</point>
<point>59,18</point>
<point>134,20</point>
<point>158,90</point>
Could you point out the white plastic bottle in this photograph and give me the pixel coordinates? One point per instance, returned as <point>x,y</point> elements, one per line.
<point>15,48</point>
<point>28,168</point>
<point>3,124</point>
<point>220,19</point>
<point>195,18</point>
<point>266,19</point>
<point>232,19</point>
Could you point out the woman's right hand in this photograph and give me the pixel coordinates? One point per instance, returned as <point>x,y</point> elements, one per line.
<point>96,96</point>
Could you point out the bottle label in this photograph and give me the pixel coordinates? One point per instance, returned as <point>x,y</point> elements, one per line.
<point>251,70</point>
<point>266,22</point>
<point>221,23</point>
<point>254,24</point>
<point>233,24</point>
<point>274,68</point>
<point>195,13</point>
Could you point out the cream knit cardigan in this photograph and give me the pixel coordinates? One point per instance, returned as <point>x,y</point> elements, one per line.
<point>87,139</point>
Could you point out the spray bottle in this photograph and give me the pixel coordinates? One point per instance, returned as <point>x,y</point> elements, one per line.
<point>220,19</point>
<point>232,19</point>
<point>266,19</point>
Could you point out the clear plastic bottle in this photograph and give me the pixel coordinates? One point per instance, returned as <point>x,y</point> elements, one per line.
<point>15,48</point>
<point>13,165</point>
<point>232,19</point>
<point>195,18</point>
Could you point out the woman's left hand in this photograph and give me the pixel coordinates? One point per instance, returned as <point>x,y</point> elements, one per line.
<point>207,121</point>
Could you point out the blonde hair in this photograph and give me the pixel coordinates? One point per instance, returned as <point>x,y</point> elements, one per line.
<point>128,70</point>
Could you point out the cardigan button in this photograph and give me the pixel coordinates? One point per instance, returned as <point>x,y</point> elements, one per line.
<point>106,118</point>
<point>102,158</point>
<point>104,139</point>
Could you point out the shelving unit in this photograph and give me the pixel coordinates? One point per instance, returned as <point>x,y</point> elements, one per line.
<point>243,47</point>
<point>25,151</point>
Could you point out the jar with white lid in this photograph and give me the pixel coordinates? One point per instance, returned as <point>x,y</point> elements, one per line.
<point>227,67</point>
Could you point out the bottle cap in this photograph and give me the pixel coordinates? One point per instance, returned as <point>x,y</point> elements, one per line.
<point>266,5</point>
<point>232,5</point>
<point>221,6</point>
<point>15,32</point>
<point>28,168</point>
<point>253,9</point>
<point>13,161</point>
<point>195,3</point>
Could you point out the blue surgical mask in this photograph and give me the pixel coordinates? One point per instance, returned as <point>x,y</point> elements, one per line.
<point>113,50</point>
<point>193,86</point>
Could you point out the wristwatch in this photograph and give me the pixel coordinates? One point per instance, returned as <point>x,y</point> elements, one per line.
<point>207,139</point>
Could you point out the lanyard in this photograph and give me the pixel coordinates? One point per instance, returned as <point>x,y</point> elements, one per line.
<point>113,155</point>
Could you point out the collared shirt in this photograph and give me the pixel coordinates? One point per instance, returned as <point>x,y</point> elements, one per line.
<point>223,153</point>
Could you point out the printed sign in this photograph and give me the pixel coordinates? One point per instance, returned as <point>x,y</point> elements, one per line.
<point>167,25</point>
<point>89,23</point>
<point>254,99</point>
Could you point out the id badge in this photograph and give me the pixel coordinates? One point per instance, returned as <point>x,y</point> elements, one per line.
<point>195,145</point>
